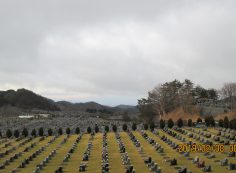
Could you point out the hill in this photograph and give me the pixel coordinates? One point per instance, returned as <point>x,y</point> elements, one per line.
<point>25,99</point>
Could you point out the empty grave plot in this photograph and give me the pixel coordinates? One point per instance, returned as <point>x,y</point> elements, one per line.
<point>140,151</point>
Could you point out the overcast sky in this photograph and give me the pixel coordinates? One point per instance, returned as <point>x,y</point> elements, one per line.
<point>114,52</point>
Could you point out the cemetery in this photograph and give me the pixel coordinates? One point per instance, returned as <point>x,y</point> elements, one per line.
<point>115,149</point>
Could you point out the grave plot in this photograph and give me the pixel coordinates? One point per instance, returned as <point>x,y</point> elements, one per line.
<point>94,164</point>
<point>114,154</point>
<point>15,165</point>
<point>33,164</point>
<point>58,155</point>
<point>72,166</point>
<point>164,158</point>
<point>219,155</point>
<point>203,160</point>
<point>16,152</point>
<point>136,159</point>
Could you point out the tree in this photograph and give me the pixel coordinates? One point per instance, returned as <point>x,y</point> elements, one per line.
<point>9,133</point>
<point>50,132</point>
<point>41,131</point>
<point>60,131</point>
<point>145,126</point>
<point>226,122</point>
<point>16,133</point>
<point>106,128</point>
<point>25,132</point>
<point>67,130</point>
<point>124,127</point>
<point>212,121</point>
<point>33,133</point>
<point>180,123</point>
<point>0,133</point>
<point>114,128</point>
<point>221,123</point>
<point>229,93</point>
<point>152,126</point>
<point>134,126</point>
<point>199,120</point>
<point>89,130</point>
<point>162,124</point>
<point>96,129</point>
<point>232,124</point>
<point>190,122</point>
<point>170,123</point>
<point>77,130</point>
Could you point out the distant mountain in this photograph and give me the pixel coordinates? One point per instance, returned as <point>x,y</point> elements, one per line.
<point>125,107</point>
<point>68,106</point>
<point>25,99</point>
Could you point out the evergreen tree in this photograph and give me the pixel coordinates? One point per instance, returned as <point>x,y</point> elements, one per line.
<point>9,133</point>
<point>25,132</point>
<point>41,131</point>
<point>77,130</point>
<point>145,126</point>
<point>180,123</point>
<point>124,127</point>
<point>96,129</point>
<point>152,126</point>
<point>170,123</point>
<point>226,122</point>
<point>221,123</point>
<point>190,122</point>
<point>50,132</point>
<point>33,133</point>
<point>114,128</point>
<point>60,131</point>
<point>89,130</point>
<point>16,133</point>
<point>134,126</point>
<point>67,130</point>
<point>162,124</point>
<point>106,128</point>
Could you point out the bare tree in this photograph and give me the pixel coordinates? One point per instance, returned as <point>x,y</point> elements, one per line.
<point>229,93</point>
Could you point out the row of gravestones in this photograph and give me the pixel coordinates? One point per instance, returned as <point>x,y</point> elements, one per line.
<point>52,154</point>
<point>224,162</point>
<point>126,161</point>
<point>151,164</point>
<point>10,150</point>
<point>83,164</point>
<point>105,158</point>
<point>17,155</point>
<point>172,145</point>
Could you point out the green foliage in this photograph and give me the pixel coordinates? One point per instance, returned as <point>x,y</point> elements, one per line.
<point>26,99</point>
<point>9,133</point>
<point>107,128</point>
<point>145,126</point>
<point>134,126</point>
<point>209,120</point>
<point>152,126</point>
<point>67,130</point>
<point>170,123</point>
<point>16,133</point>
<point>162,124</point>
<point>60,131</point>
<point>221,123</point>
<point>232,124</point>
<point>96,129</point>
<point>114,128</point>
<point>226,122</point>
<point>190,122</point>
<point>125,127</point>
<point>180,123</point>
<point>50,132</point>
<point>89,130</point>
<point>33,133</point>
<point>199,120</point>
<point>77,130</point>
<point>41,131</point>
<point>25,132</point>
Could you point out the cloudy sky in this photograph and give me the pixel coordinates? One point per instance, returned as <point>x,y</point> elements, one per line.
<point>114,52</point>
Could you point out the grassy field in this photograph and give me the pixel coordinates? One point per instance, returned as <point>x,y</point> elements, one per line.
<point>95,158</point>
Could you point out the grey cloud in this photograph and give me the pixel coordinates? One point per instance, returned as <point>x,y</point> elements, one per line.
<point>114,51</point>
